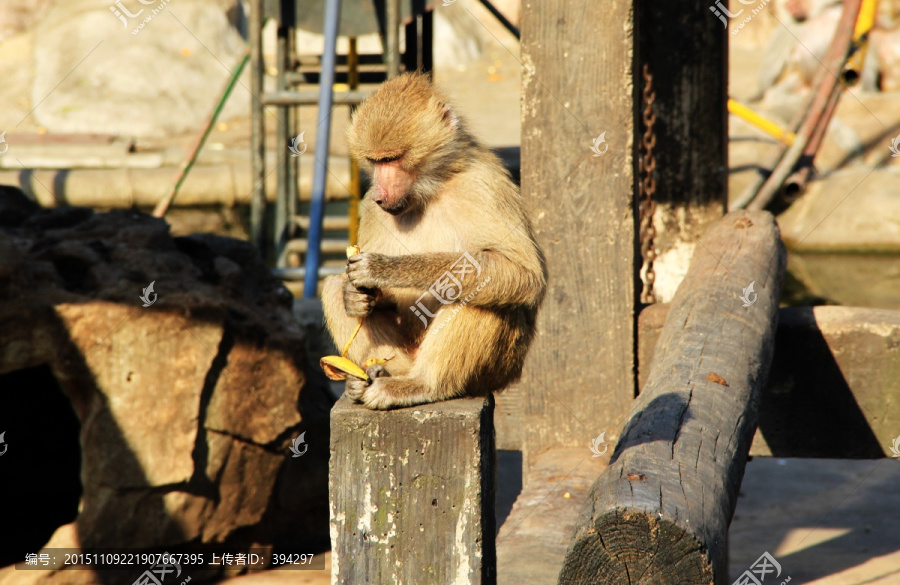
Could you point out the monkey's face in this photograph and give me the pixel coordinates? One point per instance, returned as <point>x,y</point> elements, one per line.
<point>391,185</point>
<point>407,136</point>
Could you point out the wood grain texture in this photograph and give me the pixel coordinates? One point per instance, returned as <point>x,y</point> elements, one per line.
<point>412,494</point>
<point>834,368</point>
<point>577,83</point>
<point>660,512</point>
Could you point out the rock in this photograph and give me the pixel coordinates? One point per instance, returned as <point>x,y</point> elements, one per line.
<point>15,206</point>
<point>886,47</point>
<point>188,398</point>
<point>154,74</point>
<point>846,211</point>
<point>17,15</point>
<point>796,47</point>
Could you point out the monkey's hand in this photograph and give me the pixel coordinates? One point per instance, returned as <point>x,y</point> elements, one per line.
<point>368,270</point>
<point>358,302</point>
<point>356,389</point>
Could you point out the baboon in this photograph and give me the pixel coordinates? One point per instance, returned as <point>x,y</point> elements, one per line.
<point>450,277</point>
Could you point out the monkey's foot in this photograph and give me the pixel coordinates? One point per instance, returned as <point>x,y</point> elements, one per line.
<point>385,393</point>
<point>356,388</point>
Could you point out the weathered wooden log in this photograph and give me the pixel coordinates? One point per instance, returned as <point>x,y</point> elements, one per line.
<point>412,494</point>
<point>659,514</point>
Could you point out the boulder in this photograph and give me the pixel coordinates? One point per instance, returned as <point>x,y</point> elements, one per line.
<point>187,395</point>
<point>18,15</point>
<point>100,70</point>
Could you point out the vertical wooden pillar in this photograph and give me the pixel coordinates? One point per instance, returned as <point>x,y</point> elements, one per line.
<point>581,78</point>
<point>578,83</point>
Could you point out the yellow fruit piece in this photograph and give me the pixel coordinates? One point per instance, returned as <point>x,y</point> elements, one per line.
<point>338,368</point>
<point>353,251</point>
<point>372,361</point>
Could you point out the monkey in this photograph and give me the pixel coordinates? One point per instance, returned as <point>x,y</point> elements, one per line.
<point>450,276</point>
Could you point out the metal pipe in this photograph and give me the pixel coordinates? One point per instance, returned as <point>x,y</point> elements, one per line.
<point>852,72</point>
<point>392,56</point>
<point>834,60</point>
<point>418,15</point>
<point>283,137</point>
<point>305,98</point>
<point>355,189</point>
<point>293,121</point>
<point>257,128</point>
<point>323,136</point>
<point>795,184</point>
<point>804,115</point>
<point>299,272</point>
<point>503,20</point>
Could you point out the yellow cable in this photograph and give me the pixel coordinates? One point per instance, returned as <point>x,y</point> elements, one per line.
<point>764,124</point>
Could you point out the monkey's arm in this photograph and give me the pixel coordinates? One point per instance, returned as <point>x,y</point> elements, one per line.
<point>494,278</point>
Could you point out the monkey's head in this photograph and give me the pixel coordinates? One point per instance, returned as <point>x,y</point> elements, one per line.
<point>410,141</point>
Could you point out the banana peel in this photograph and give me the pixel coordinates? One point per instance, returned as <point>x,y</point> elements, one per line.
<point>339,367</point>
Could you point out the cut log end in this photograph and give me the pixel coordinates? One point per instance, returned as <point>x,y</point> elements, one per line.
<point>626,547</point>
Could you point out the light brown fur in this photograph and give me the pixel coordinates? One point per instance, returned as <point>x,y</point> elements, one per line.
<point>460,199</point>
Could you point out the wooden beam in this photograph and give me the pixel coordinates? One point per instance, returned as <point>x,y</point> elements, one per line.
<point>660,512</point>
<point>834,368</point>
<point>412,493</point>
<point>577,83</point>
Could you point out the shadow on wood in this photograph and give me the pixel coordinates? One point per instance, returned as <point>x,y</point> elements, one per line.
<point>829,392</point>
<point>659,514</point>
<point>412,493</point>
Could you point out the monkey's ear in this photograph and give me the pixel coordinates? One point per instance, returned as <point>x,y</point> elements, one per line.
<point>449,116</point>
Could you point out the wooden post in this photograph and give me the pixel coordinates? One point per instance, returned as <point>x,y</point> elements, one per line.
<point>686,50</point>
<point>577,83</point>
<point>660,512</point>
<point>412,494</point>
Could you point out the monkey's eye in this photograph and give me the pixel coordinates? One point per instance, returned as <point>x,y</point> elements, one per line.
<point>386,159</point>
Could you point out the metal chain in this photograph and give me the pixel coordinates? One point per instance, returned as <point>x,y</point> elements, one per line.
<point>647,188</point>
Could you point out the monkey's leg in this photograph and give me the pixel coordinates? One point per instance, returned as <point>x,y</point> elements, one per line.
<point>460,356</point>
